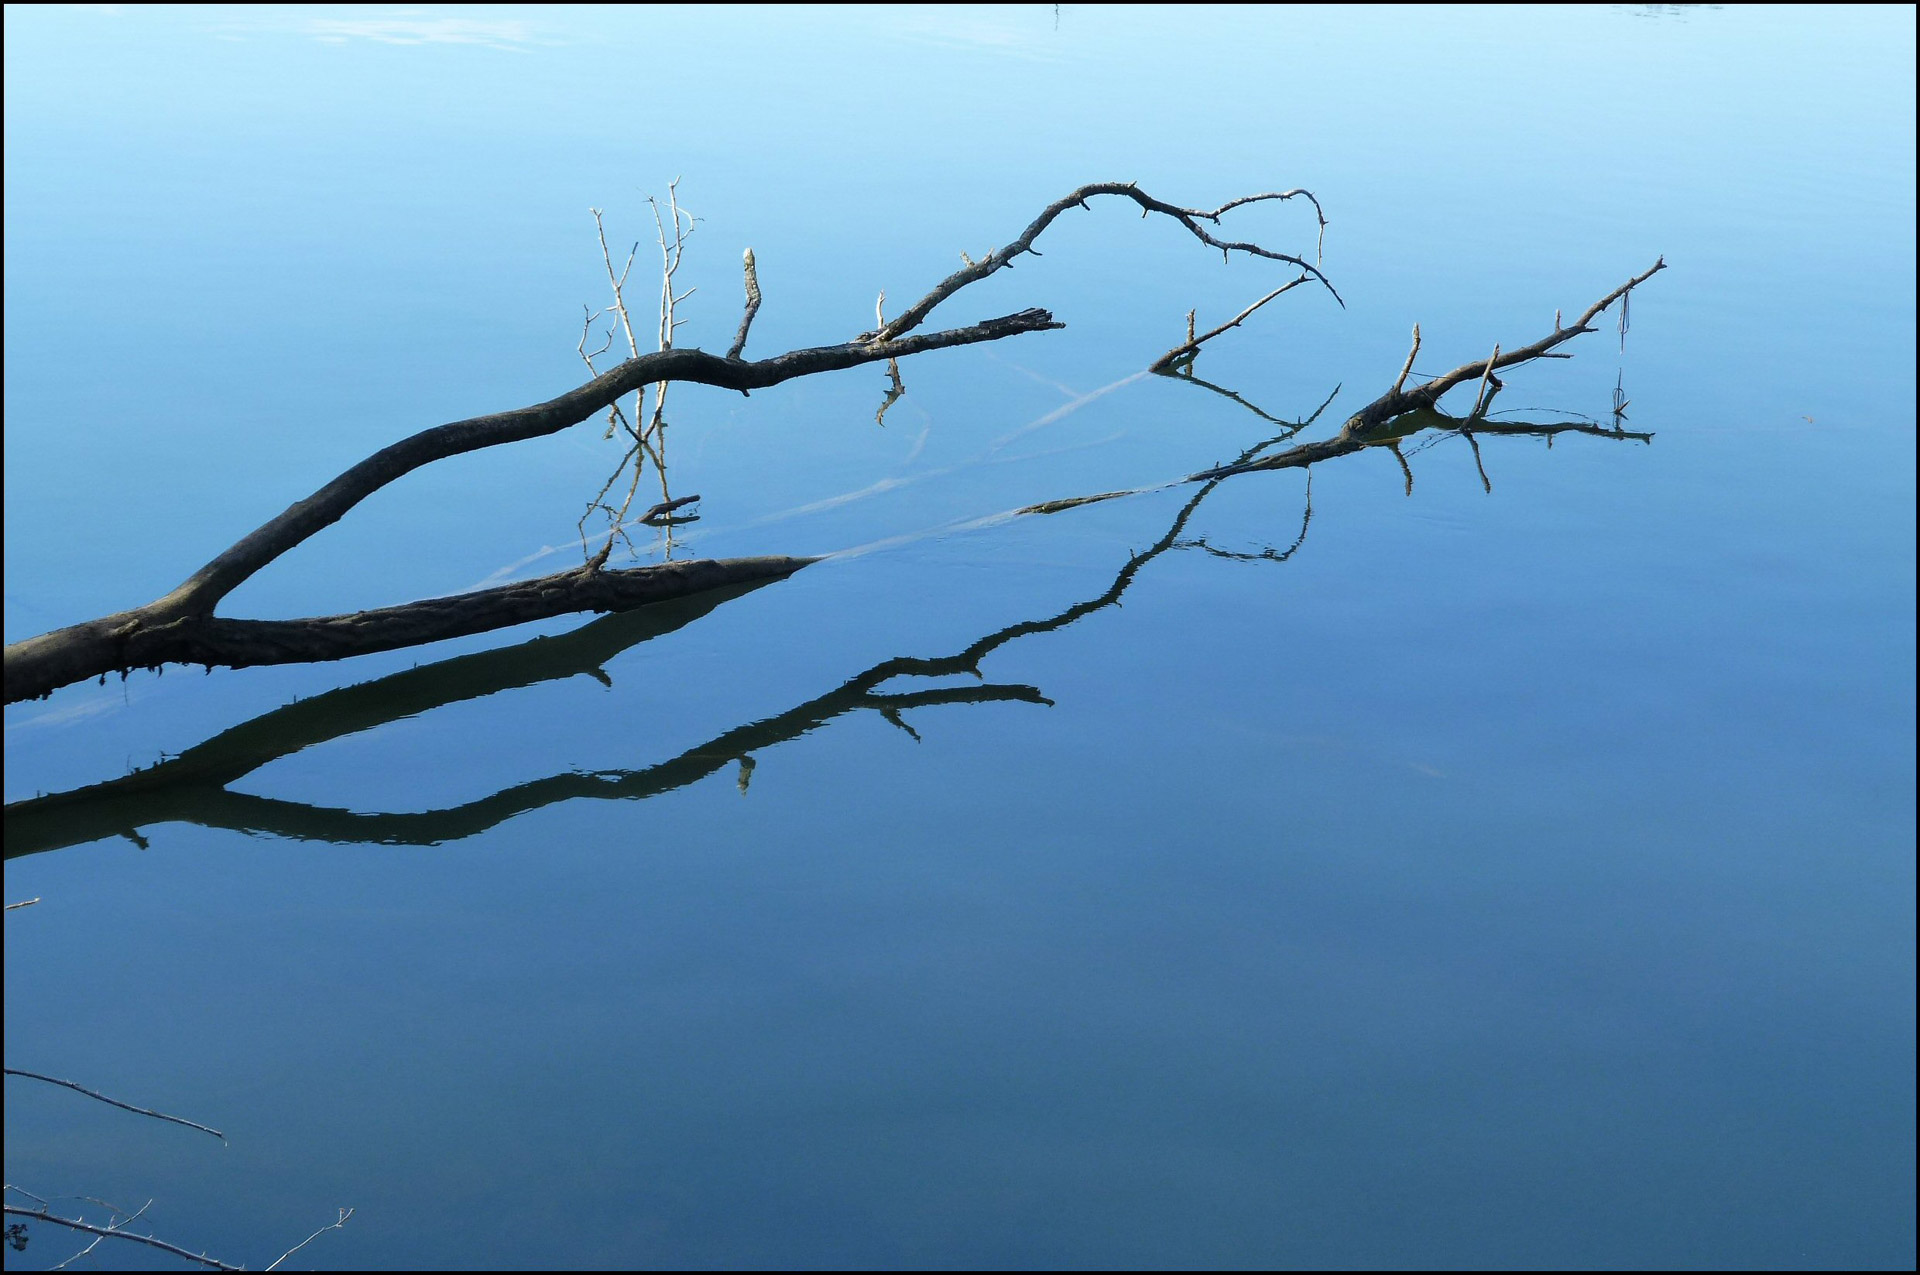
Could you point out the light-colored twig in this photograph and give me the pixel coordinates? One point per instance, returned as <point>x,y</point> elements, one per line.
<point>112,1226</point>
<point>24,903</point>
<point>331,1226</point>
<point>753,306</point>
<point>112,1232</point>
<point>114,1102</point>
<point>1407,367</point>
<point>670,258</point>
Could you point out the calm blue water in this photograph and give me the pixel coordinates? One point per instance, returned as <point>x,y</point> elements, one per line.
<point>1504,879</point>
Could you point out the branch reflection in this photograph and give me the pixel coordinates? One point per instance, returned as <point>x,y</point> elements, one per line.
<point>195,787</point>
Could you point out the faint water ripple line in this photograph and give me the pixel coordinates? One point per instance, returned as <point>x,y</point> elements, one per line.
<point>877,488</point>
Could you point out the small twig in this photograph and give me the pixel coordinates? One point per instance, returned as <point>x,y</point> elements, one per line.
<point>670,257</point>
<point>110,1232</point>
<point>1480,394</point>
<point>334,1226</point>
<point>661,512</point>
<point>1395,403</point>
<point>1193,343</point>
<point>113,1211</point>
<point>1408,365</point>
<point>24,903</point>
<point>114,1102</point>
<point>753,307</point>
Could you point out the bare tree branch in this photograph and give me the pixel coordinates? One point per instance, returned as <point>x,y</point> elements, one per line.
<point>180,626</point>
<point>113,1232</point>
<point>115,1102</point>
<point>1370,425</point>
<point>112,1226</point>
<point>1002,259</point>
<point>1191,346</point>
<point>332,1226</point>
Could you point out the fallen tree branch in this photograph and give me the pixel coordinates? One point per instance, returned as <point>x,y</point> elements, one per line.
<point>40,665</point>
<point>180,627</point>
<point>753,306</point>
<point>196,786</point>
<point>1415,409</point>
<point>1184,352</point>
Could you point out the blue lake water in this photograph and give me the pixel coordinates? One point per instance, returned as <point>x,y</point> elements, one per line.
<point>1512,874</point>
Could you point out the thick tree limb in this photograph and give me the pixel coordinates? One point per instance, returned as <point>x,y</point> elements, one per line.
<point>179,627</point>
<point>39,665</point>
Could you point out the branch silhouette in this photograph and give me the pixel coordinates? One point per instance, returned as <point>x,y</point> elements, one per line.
<point>181,628</point>
<point>195,786</point>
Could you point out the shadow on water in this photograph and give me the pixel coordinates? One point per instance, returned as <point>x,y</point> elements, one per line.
<point>195,786</point>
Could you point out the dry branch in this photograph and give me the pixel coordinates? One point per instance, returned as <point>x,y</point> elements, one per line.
<point>115,1102</point>
<point>1003,258</point>
<point>180,627</point>
<point>753,305</point>
<point>1371,425</point>
<point>1185,351</point>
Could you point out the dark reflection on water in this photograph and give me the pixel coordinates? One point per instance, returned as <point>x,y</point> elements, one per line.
<point>195,786</point>
<point>1511,882</point>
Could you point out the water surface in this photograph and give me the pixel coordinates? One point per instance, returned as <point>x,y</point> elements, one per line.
<point>1463,877</point>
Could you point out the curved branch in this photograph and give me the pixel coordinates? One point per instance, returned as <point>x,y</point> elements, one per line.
<point>204,589</point>
<point>179,627</point>
<point>113,1233</point>
<point>974,271</point>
